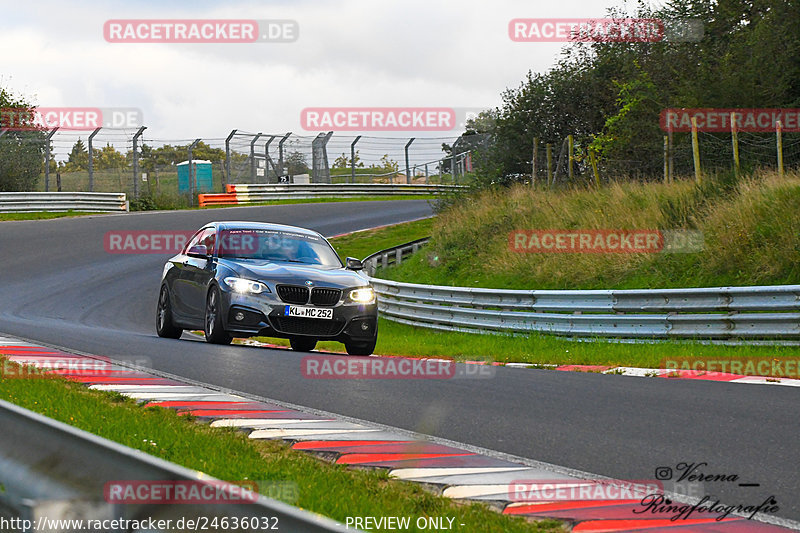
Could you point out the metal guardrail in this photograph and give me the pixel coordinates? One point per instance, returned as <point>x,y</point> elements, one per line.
<point>249,194</point>
<point>392,256</point>
<point>728,313</point>
<point>22,202</point>
<point>49,470</point>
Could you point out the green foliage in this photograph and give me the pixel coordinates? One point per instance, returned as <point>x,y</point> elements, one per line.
<point>389,165</point>
<point>296,163</point>
<point>344,162</point>
<point>78,158</point>
<point>21,152</point>
<point>610,94</point>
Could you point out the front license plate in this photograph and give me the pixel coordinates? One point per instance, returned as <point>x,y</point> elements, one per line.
<point>308,312</point>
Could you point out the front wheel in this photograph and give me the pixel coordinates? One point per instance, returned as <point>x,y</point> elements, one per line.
<point>360,348</point>
<point>213,321</point>
<point>164,326</point>
<point>302,344</point>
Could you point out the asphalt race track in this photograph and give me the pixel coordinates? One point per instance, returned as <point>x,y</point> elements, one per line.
<point>59,286</point>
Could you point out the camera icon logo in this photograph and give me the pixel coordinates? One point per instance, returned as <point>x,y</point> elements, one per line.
<point>663,473</point>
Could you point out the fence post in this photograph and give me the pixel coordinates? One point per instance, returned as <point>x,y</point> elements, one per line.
<point>671,156</point>
<point>549,155</point>
<point>320,172</point>
<point>226,178</point>
<point>253,157</point>
<point>136,161</point>
<point>779,133</point>
<point>408,170</point>
<point>280,152</point>
<point>571,158</point>
<point>696,151</point>
<point>192,176</point>
<point>47,160</point>
<point>666,159</point>
<point>353,159</point>
<point>533,160</point>
<point>268,161</point>
<point>735,142</point>
<point>91,159</point>
<point>593,159</point>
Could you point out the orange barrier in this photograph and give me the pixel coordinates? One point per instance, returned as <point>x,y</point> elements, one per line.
<point>217,199</point>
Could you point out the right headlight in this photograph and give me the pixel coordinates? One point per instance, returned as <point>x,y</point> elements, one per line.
<point>246,285</point>
<point>364,295</point>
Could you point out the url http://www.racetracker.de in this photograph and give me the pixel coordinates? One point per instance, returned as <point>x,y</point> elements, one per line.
<point>201,523</point>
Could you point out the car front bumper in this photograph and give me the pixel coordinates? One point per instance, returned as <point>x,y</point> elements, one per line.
<point>247,315</point>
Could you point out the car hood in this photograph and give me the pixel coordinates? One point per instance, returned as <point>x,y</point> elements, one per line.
<point>295,274</point>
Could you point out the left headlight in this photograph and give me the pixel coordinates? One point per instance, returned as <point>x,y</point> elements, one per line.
<point>246,285</point>
<point>364,295</point>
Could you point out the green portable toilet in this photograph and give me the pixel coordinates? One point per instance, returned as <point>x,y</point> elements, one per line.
<point>202,174</point>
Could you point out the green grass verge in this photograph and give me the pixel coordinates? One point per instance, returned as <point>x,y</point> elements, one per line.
<point>401,339</point>
<point>363,243</point>
<point>43,215</point>
<point>332,490</point>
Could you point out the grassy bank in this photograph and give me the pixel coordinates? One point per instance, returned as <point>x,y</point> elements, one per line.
<point>363,243</point>
<point>43,215</point>
<point>750,232</point>
<point>400,339</point>
<point>332,490</point>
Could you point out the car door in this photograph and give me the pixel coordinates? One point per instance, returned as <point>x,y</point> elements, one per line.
<point>198,274</point>
<point>185,268</point>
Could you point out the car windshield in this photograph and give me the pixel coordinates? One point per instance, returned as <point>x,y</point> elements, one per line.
<point>276,246</point>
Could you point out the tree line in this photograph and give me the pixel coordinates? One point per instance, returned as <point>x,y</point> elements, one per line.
<point>609,95</point>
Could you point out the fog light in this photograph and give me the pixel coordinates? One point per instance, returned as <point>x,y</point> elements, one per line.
<point>239,316</point>
<point>364,326</point>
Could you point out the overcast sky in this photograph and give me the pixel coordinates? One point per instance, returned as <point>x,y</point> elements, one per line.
<point>390,53</point>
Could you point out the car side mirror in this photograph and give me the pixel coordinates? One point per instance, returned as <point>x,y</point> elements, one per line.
<point>199,251</point>
<point>354,264</point>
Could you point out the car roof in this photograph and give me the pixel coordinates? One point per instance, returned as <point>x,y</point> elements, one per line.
<point>239,225</point>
